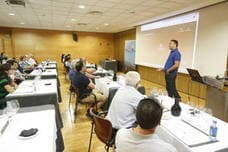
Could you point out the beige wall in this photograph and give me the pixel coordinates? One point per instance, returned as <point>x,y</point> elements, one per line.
<point>212,43</point>
<point>119,42</point>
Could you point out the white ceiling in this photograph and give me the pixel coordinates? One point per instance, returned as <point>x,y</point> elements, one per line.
<point>119,14</point>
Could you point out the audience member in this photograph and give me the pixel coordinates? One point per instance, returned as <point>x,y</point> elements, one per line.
<point>122,110</point>
<point>143,138</point>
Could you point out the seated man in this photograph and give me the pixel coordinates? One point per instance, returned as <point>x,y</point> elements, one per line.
<point>122,110</point>
<point>85,86</point>
<point>143,137</point>
<point>6,84</point>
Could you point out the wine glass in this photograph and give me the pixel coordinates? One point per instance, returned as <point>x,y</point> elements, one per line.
<point>12,108</point>
<point>154,91</point>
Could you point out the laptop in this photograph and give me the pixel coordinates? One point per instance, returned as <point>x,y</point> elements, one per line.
<point>195,76</point>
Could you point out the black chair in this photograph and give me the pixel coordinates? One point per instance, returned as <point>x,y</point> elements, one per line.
<point>103,130</point>
<point>142,90</point>
<point>75,90</point>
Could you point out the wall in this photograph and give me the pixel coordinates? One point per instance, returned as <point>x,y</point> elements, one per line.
<point>151,74</point>
<point>45,44</point>
<point>119,44</point>
<point>212,46</point>
<point>6,41</point>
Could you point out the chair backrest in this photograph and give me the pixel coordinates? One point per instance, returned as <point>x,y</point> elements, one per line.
<point>142,90</point>
<point>103,127</point>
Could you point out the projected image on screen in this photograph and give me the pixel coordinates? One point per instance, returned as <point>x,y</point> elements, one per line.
<point>152,44</point>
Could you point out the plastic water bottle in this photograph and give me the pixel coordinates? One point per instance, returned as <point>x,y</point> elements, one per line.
<point>213,131</point>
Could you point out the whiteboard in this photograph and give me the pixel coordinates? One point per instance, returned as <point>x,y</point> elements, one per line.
<point>203,42</point>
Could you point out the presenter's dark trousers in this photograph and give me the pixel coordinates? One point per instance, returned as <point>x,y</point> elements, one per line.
<point>170,80</point>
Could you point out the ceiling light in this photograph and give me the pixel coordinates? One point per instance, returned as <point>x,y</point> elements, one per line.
<point>106,24</point>
<point>11,14</point>
<point>68,26</point>
<point>22,23</point>
<point>73,19</point>
<point>97,28</point>
<point>81,6</point>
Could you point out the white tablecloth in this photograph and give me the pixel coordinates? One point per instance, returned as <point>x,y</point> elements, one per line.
<point>47,72</point>
<point>31,87</point>
<point>49,66</point>
<point>176,131</point>
<point>104,84</point>
<point>44,121</point>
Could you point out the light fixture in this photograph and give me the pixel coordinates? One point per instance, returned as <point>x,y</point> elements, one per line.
<point>11,14</point>
<point>22,23</point>
<point>81,6</point>
<point>68,26</point>
<point>106,24</point>
<point>73,19</point>
<point>97,28</point>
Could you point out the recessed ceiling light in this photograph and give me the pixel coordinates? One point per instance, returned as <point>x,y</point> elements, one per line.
<point>73,19</point>
<point>22,23</point>
<point>11,14</point>
<point>81,6</point>
<point>97,28</point>
<point>106,24</point>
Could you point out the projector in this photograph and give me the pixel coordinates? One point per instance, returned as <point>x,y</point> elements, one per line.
<point>15,2</point>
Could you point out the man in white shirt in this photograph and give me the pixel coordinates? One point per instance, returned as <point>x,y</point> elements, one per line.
<point>122,110</point>
<point>143,137</point>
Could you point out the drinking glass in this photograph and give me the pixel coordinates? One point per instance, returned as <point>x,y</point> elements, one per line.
<point>12,108</point>
<point>154,91</point>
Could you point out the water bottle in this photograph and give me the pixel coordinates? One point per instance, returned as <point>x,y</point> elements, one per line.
<point>213,131</point>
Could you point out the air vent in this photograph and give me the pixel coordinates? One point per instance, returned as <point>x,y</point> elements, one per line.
<point>15,2</point>
<point>82,24</point>
<point>95,13</point>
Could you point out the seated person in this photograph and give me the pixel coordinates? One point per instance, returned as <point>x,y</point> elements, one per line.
<point>32,60</point>
<point>143,137</point>
<point>73,70</point>
<point>85,86</point>
<point>67,64</point>
<point>122,110</point>
<point>25,65</point>
<point>3,58</point>
<point>18,76</point>
<point>6,84</point>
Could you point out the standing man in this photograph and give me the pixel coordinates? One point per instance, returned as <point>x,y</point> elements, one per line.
<point>171,68</point>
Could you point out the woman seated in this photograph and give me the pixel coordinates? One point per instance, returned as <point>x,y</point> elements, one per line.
<point>6,84</point>
<point>18,76</point>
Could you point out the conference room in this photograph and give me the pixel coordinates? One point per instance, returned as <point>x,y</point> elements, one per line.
<point>113,76</point>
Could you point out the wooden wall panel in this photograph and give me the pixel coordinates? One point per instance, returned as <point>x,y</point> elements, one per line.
<point>51,44</point>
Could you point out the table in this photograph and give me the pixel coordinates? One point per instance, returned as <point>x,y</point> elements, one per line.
<point>108,87</point>
<point>109,65</point>
<point>49,62</point>
<point>102,72</point>
<point>47,74</point>
<point>43,92</point>
<point>47,66</point>
<point>181,131</point>
<point>43,142</point>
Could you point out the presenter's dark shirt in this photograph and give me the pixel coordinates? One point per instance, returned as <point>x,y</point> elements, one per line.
<point>173,56</point>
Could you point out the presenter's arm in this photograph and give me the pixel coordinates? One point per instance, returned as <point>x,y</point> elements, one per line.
<point>174,67</point>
